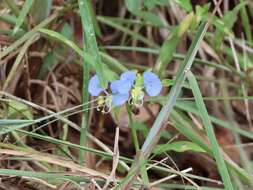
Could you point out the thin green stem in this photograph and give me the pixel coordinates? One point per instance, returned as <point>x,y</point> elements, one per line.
<point>133,130</point>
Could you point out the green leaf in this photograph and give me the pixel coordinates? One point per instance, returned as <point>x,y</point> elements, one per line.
<point>134,35</point>
<point>246,22</point>
<point>9,122</point>
<point>210,132</point>
<point>52,57</point>
<point>185,4</point>
<point>168,48</point>
<point>48,62</point>
<point>180,146</point>
<point>143,171</point>
<point>17,109</point>
<point>150,18</point>
<point>94,19</point>
<point>202,11</point>
<point>12,6</point>
<point>133,5</point>
<point>40,10</point>
<point>226,24</point>
<point>141,127</point>
<point>67,31</point>
<point>167,82</point>
<point>150,4</point>
<point>57,36</point>
<point>23,13</point>
<point>61,38</point>
<point>91,42</point>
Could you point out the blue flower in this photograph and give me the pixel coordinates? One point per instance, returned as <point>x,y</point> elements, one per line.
<point>127,80</point>
<point>120,89</point>
<point>128,76</point>
<point>94,87</point>
<point>119,97</point>
<point>152,83</point>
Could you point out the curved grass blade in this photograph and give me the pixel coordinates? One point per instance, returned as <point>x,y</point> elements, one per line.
<point>135,35</point>
<point>111,62</point>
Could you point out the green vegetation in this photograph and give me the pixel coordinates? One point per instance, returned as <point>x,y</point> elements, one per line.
<point>197,134</point>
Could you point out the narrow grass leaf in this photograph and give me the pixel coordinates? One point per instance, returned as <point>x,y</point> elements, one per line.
<point>90,40</point>
<point>185,4</point>
<point>9,122</point>
<point>94,19</point>
<point>112,63</point>
<point>72,145</point>
<point>22,15</point>
<point>210,132</point>
<point>134,35</point>
<point>86,73</point>
<point>133,5</point>
<point>190,107</point>
<point>13,7</point>
<point>246,22</point>
<point>168,48</point>
<point>17,109</point>
<point>8,18</point>
<point>180,146</point>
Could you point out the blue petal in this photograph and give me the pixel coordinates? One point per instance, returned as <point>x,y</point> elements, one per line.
<point>119,99</point>
<point>120,86</point>
<point>152,83</point>
<point>115,85</point>
<point>94,87</point>
<point>127,80</point>
<point>124,87</point>
<point>128,76</point>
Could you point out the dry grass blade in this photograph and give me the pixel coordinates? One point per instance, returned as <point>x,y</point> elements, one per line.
<point>52,159</point>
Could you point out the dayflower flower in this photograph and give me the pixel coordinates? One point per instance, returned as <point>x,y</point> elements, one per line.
<point>119,95</point>
<point>94,87</point>
<point>121,88</point>
<point>130,87</point>
<point>152,83</point>
<point>127,81</point>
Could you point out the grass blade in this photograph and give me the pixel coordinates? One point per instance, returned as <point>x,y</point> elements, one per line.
<point>85,94</point>
<point>13,7</point>
<point>169,46</point>
<point>135,35</point>
<point>90,40</point>
<point>210,132</point>
<point>23,13</point>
